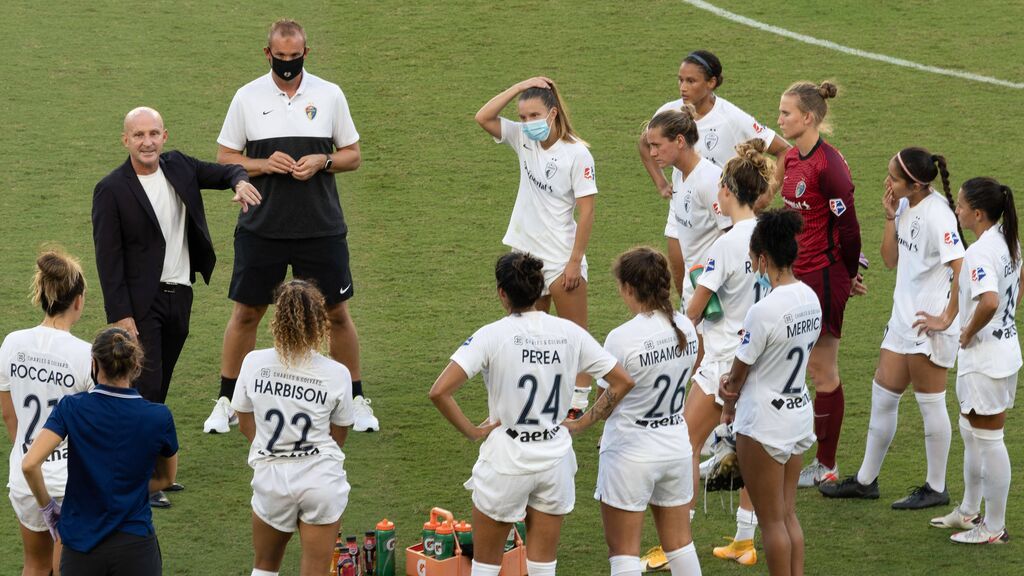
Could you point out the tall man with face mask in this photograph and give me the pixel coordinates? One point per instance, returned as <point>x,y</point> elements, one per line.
<point>292,132</point>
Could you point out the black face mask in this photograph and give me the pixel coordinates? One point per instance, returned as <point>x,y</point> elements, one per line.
<point>287,70</point>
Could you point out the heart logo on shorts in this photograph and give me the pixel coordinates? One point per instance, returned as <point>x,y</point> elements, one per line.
<point>778,403</point>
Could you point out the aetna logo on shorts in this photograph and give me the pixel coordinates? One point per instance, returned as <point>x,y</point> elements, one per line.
<point>535,436</point>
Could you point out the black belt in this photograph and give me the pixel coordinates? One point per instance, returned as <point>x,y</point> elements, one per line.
<point>172,288</point>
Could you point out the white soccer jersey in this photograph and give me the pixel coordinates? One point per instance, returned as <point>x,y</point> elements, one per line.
<point>550,181</point>
<point>928,242</point>
<point>647,425</point>
<point>728,273</point>
<point>721,129</point>
<point>294,406</point>
<point>995,349</point>
<point>699,219</point>
<point>778,334</point>
<point>529,363</point>
<point>39,366</point>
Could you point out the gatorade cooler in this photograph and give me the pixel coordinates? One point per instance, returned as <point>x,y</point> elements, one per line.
<point>419,564</point>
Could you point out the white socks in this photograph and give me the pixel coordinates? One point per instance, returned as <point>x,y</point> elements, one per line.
<point>485,569</point>
<point>258,572</point>
<point>746,524</point>
<point>683,562</point>
<point>885,408</point>
<point>937,435</point>
<point>539,568</point>
<point>971,504</point>
<point>996,484</point>
<point>625,565</point>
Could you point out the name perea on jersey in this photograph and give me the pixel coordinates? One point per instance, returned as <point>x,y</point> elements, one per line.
<point>27,367</point>
<point>540,357</point>
<point>667,353</point>
<point>291,390</point>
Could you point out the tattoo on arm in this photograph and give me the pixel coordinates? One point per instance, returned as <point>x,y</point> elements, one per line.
<point>603,406</point>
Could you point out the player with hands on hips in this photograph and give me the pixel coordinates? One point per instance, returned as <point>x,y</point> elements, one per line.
<point>764,392</point>
<point>922,240</point>
<point>645,451</point>
<point>989,290</point>
<point>722,126</point>
<point>38,367</point>
<point>529,361</point>
<point>816,184</point>
<point>556,178</point>
<point>728,273</point>
<point>295,406</point>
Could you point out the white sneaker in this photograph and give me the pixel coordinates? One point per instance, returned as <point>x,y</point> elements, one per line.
<point>981,535</point>
<point>956,519</point>
<point>816,473</point>
<point>221,419</point>
<point>365,420</point>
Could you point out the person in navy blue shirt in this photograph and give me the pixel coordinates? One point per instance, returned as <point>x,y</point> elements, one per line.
<point>105,522</point>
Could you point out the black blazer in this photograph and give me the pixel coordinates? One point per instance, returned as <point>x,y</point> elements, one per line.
<point>127,237</point>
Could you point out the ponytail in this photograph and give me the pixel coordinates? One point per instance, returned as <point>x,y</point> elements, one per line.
<point>645,270</point>
<point>996,201</point>
<point>57,282</point>
<point>1010,224</point>
<point>917,165</point>
<point>552,98</point>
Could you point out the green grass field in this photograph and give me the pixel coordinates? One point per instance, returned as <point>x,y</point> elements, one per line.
<point>430,203</point>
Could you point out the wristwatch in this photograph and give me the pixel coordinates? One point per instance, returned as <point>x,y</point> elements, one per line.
<point>329,163</point>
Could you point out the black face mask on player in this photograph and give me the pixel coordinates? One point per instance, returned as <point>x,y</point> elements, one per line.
<point>287,70</point>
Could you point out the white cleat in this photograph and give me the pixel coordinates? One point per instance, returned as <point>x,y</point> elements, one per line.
<point>221,419</point>
<point>816,473</point>
<point>981,535</point>
<point>956,519</point>
<point>365,421</point>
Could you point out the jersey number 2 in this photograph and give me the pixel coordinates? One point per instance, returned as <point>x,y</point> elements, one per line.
<point>676,402</point>
<point>301,445</point>
<point>550,406</point>
<point>33,399</point>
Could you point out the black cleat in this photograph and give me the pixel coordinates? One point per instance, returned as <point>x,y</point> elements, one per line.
<point>159,500</point>
<point>849,487</point>
<point>922,497</point>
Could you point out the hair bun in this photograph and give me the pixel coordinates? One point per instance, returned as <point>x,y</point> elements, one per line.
<point>688,108</point>
<point>827,90</point>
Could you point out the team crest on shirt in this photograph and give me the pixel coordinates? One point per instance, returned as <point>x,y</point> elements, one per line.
<point>311,111</point>
<point>265,373</point>
<point>686,202</point>
<point>710,140</point>
<point>950,238</point>
<point>550,169</point>
<point>915,228</point>
<point>801,188</point>
<point>977,274</point>
<point>837,206</point>
<point>710,265</point>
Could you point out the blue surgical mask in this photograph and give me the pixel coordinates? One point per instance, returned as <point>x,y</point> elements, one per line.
<point>761,278</point>
<point>537,130</point>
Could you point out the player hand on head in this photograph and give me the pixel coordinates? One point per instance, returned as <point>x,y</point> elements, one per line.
<point>535,82</point>
<point>279,163</point>
<point>246,195</point>
<point>307,166</point>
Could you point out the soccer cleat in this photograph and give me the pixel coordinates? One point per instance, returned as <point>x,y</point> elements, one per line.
<point>921,497</point>
<point>981,535</point>
<point>849,487</point>
<point>159,500</point>
<point>742,551</point>
<point>816,473</point>
<point>654,560</point>
<point>722,470</point>
<point>365,421</point>
<point>956,519</point>
<point>221,418</point>
<point>174,488</point>
<point>709,446</point>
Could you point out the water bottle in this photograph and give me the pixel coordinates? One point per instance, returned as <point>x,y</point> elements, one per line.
<point>338,546</point>
<point>369,553</point>
<point>444,541</point>
<point>385,564</point>
<point>429,530</point>
<point>464,534</point>
<point>713,310</point>
<point>352,547</point>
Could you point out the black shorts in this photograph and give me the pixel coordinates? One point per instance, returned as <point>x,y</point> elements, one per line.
<point>832,284</point>
<point>119,553</point>
<point>261,264</point>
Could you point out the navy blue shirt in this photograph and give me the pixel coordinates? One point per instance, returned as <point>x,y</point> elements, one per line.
<point>114,438</point>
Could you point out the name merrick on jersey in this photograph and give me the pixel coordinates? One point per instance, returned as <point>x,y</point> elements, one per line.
<point>287,390</point>
<point>666,354</point>
<point>803,326</point>
<point>44,375</point>
<point>540,357</point>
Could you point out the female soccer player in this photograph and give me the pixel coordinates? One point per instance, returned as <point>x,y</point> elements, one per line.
<point>120,449</point>
<point>728,272</point>
<point>816,184</point>
<point>645,449</point>
<point>556,177</point>
<point>38,367</point>
<point>990,289</point>
<point>922,241</point>
<point>526,464</point>
<point>295,406</point>
<point>772,417</point>
<point>722,126</point>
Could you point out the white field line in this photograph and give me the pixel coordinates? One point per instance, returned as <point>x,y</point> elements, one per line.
<point>847,50</point>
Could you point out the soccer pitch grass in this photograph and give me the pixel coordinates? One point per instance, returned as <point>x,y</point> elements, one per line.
<point>430,204</point>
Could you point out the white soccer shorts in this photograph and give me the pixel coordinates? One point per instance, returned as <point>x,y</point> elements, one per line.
<point>984,395</point>
<point>27,510</point>
<point>939,348</point>
<point>311,489</point>
<point>505,497</point>
<point>631,486</point>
